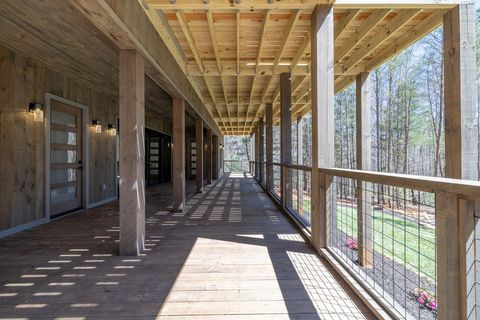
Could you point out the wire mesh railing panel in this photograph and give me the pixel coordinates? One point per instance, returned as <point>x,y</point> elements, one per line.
<point>386,236</point>
<point>263,173</point>
<point>236,166</point>
<point>277,183</point>
<point>301,191</point>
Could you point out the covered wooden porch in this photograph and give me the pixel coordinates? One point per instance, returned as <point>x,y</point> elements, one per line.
<point>231,255</point>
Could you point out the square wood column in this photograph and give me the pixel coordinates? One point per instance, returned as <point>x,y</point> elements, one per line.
<point>199,155</point>
<point>257,152</point>
<point>364,162</point>
<point>132,152</point>
<point>322,118</point>
<point>286,135</point>
<point>261,146</point>
<point>455,221</point>
<point>299,141</point>
<point>269,146</point>
<point>178,153</point>
<point>208,156</point>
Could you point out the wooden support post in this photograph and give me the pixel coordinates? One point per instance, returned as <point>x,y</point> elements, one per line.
<point>269,146</point>
<point>178,155</point>
<point>261,145</point>
<point>300,140</point>
<point>257,152</point>
<point>199,155</point>
<point>455,230</point>
<point>286,136</point>
<point>364,162</point>
<point>214,157</point>
<point>208,156</point>
<point>322,118</point>
<point>300,175</point>
<point>132,152</point>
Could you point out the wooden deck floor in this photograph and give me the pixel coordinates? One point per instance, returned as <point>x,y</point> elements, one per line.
<point>232,256</point>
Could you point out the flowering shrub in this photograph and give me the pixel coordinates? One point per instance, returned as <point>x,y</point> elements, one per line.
<point>351,244</point>
<point>425,298</point>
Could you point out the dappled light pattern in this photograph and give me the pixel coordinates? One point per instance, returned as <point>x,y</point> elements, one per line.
<point>231,255</point>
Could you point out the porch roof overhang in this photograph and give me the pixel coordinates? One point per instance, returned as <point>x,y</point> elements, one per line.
<point>233,51</point>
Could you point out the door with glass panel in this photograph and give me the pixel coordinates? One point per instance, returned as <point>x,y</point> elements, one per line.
<point>65,158</point>
<point>153,159</point>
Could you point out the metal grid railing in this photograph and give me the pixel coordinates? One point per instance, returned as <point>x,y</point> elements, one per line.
<point>388,239</point>
<point>300,203</point>
<point>236,166</point>
<point>277,182</point>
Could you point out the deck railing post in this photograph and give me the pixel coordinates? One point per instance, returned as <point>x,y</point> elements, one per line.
<point>132,152</point>
<point>199,155</point>
<point>178,154</point>
<point>208,156</point>
<point>269,145</point>
<point>364,159</point>
<point>261,149</point>
<point>285,137</point>
<point>322,115</point>
<point>461,140</point>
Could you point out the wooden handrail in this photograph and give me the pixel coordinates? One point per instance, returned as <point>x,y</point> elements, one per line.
<point>298,167</point>
<point>465,188</point>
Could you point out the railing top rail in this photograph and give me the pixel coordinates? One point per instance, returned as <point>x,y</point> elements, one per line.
<point>298,167</point>
<point>275,163</point>
<point>467,188</point>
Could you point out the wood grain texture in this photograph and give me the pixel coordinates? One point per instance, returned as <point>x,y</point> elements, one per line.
<point>132,153</point>
<point>178,155</point>
<point>232,255</point>
<point>322,117</point>
<point>22,167</point>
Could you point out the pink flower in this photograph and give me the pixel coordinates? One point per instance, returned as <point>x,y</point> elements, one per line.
<point>432,305</point>
<point>420,300</point>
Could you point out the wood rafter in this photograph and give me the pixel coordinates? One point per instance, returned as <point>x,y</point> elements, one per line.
<point>266,17</point>
<point>288,31</point>
<point>241,52</point>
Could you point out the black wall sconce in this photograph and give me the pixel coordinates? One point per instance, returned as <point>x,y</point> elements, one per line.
<point>97,126</point>
<point>37,110</point>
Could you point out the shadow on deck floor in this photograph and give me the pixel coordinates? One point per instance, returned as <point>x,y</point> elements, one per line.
<point>233,255</point>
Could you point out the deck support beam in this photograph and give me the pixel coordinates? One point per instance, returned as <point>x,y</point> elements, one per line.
<point>132,152</point>
<point>261,145</point>
<point>256,148</point>
<point>178,155</point>
<point>456,221</point>
<point>269,145</point>
<point>364,162</point>
<point>285,135</point>
<point>322,118</point>
<point>199,154</point>
<point>208,156</point>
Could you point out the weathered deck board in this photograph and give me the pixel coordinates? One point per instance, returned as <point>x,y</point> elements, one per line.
<point>233,255</point>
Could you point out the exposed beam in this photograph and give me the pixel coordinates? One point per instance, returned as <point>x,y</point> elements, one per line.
<point>127,25</point>
<point>213,36</point>
<point>288,31</point>
<point>291,4</point>
<point>347,18</point>
<point>385,33</point>
<point>259,53</point>
<point>182,21</point>
<point>238,41</point>
<point>373,19</point>
<point>416,33</point>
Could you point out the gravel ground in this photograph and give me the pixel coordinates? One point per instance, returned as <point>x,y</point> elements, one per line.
<point>391,278</point>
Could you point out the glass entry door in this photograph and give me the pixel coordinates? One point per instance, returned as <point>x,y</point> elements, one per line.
<point>65,158</point>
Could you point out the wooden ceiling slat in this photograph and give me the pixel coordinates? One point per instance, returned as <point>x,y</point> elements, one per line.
<point>242,51</point>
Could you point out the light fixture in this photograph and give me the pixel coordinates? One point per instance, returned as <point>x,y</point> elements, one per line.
<point>97,126</point>
<point>37,110</point>
<point>112,129</point>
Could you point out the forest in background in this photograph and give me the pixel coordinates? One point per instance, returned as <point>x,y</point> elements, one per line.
<point>407,115</point>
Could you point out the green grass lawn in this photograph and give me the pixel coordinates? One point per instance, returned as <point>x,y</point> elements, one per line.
<point>401,239</point>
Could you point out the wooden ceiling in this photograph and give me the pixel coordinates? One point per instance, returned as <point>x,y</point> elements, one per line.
<point>234,54</point>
